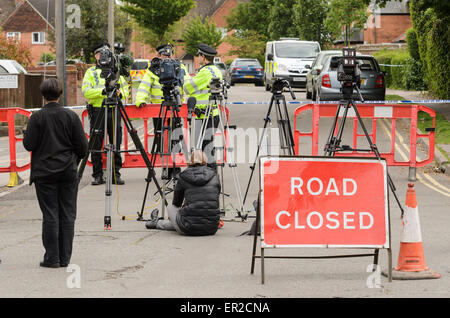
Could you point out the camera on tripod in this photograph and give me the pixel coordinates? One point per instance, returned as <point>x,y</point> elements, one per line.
<point>278,86</point>
<point>114,65</point>
<point>169,72</point>
<point>218,86</point>
<point>348,73</point>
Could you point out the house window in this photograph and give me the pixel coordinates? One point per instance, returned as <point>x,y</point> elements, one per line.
<point>13,36</point>
<point>38,38</point>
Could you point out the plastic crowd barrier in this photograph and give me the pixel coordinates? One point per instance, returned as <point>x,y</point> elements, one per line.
<point>374,112</point>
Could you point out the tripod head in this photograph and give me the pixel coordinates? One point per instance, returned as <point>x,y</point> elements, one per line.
<point>278,87</point>
<point>171,93</point>
<point>218,88</point>
<point>349,74</point>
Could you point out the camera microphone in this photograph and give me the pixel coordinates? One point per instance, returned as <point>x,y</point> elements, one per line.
<point>191,102</point>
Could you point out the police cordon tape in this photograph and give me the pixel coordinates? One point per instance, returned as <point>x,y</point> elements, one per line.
<point>424,101</point>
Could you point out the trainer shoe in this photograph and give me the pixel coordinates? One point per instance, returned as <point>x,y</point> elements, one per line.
<point>151,224</point>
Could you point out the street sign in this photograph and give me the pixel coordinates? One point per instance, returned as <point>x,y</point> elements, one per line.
<point>9,81</point>
<point>324,202</point>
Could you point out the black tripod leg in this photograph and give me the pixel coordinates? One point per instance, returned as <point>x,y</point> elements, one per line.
<point>137,142</point>
<point>290,137</point>
<point>252,168</point>
<point>91,142</point>
<point>374,148</point>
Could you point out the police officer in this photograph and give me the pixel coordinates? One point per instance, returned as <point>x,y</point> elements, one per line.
<point>93,89</point>
<point>150,90</point>
<point>198,87</point>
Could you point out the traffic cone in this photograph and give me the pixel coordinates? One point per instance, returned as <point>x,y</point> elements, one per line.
<point>411,260</point>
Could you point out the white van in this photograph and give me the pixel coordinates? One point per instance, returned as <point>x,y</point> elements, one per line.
<point>289,59</point>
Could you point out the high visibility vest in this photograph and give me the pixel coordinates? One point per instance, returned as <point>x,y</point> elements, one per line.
<point>150,90</point>
<point>93,86</point>
<point>197,87</point>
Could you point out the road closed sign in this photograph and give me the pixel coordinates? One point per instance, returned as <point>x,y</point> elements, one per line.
<point>324,201</point>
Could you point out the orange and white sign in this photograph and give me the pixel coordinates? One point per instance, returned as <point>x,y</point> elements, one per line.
<point>324,201</point>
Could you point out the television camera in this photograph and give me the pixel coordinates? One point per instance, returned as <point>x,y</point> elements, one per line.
<point>114,65</point>
<point>171,77</point>
<point>349,73</point>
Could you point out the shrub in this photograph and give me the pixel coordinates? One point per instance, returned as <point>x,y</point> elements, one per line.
<point>414,75</point>
<point>395,77</point>
<point>413,45</point>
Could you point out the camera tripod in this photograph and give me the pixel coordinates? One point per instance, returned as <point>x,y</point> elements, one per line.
<point>216,98</point>
<point>169,118</point>
<point>334,139</point>
<point>287,143</point>
<point>114,103</point>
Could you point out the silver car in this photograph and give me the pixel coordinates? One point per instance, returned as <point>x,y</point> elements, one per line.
<point>315,69</point>
<point>328,88</point>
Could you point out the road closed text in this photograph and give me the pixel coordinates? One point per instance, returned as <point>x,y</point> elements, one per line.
<point>325,203</point>
<point>330,219</point>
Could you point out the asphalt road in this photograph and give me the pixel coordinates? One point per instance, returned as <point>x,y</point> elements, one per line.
<point>131,261</point>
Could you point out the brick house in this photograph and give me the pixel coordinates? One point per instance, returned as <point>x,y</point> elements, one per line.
<point>29,23</point>
<point>388,24</point>
<point>217,10</point>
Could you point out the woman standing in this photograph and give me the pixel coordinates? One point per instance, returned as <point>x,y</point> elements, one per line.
<point>56,138</point>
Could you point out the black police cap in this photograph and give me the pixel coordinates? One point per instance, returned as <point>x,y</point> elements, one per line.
<point>206,50</point>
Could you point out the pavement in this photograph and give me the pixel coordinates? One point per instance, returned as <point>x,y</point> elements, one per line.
<point>131,261</point>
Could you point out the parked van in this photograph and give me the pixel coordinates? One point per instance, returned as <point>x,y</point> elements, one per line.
<point>289,59</point>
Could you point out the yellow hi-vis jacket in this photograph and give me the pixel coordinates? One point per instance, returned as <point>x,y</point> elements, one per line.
<point>197,87</point>
<point>93,86</point>
<point>150,90</point>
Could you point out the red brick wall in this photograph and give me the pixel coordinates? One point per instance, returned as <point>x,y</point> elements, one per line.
<point>26,21</point>
<point>391,27</point>
<point>220,15</point>
<point>219,19</point>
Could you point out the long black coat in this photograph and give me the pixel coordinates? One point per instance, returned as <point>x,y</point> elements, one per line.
<point>199,186</point>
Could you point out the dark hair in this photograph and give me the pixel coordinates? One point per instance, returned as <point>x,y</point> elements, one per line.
<point>51,89</point>
<point>209,58</point>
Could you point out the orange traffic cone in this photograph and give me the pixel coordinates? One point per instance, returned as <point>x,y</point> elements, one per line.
<point>411,260</point>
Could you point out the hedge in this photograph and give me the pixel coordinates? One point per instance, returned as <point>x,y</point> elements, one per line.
<point>433,37</point>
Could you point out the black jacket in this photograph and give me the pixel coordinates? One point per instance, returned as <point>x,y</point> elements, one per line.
<point>200,188</point>
<point>56,138</point>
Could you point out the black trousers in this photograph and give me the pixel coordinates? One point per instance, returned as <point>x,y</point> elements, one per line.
<point>208,140</point>
<point>96,157</point>
<point>57,197</point>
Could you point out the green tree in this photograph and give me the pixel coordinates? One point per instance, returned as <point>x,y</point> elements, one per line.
<point>251,16</point>
<point>281,20</point>
<point>94,27</point>
<point>158,15</point>
<point>198,31</point>
<point>309,17</point>
<point>345,14</point>
<point>14,50</point>
<point>248,44</point>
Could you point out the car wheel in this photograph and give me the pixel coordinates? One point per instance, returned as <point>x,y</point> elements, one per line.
<point>261,83</point>
<point>231,83</point>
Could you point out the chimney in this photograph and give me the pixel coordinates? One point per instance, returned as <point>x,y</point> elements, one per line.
<point>19,2</point>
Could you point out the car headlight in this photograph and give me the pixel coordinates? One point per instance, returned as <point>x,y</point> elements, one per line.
<point>281,68</point>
